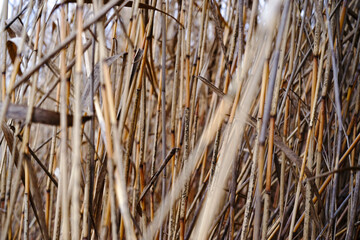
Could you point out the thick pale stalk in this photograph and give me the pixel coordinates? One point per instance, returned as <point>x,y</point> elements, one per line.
<point>76,134</point>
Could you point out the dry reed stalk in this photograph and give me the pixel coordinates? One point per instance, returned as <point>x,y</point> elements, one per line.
<point>163,104</point>
<point>3,38</point>
<point>174,103</point>
<point>274,84</point>
<point>184,195</point>
<point>76,134</point>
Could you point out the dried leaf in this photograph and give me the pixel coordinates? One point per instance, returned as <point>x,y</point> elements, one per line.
<point>12,50</point>
<point>211,86</point>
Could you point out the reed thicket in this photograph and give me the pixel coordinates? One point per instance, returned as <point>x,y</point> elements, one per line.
<point>196,119</point>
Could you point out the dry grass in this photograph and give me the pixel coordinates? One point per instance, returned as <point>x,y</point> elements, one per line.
<point>179,119</point>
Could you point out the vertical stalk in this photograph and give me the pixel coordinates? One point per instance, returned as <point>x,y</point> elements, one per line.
<point>3,40</point>
<point>76,135</point>
<point>63,183</point>
<point>163,104</point>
